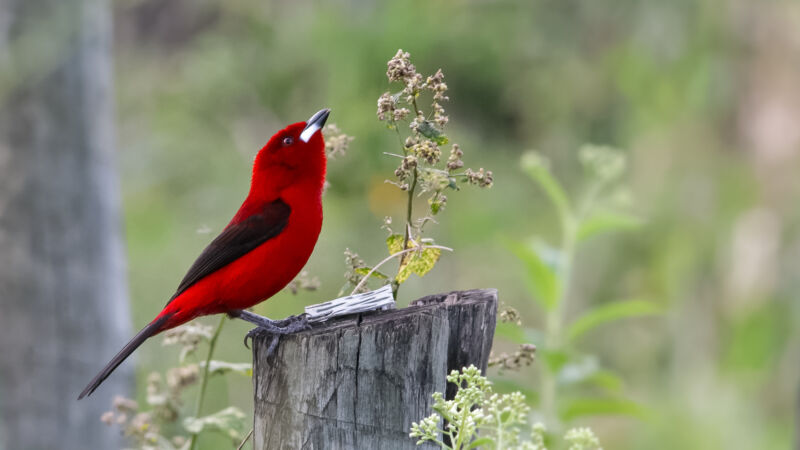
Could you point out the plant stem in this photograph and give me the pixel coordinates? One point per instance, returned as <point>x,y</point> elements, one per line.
<point>246,438</point>
<point>409,211</point>
<point>554,323</point>
<point>204,382</point>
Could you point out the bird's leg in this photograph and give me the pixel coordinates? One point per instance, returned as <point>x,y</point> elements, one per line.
<point>286,326</point>
<point>266,326</point>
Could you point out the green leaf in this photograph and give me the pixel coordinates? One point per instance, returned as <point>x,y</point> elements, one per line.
<point>429,130</point>
<point>536,166</point>
<point>554,360</point>
<point>587,371</point>
<point>604,222</point>
<point>511,332</point>
<point>577,370</point>
<point>395,243</point>
<point>222,367</point>
<point>229,421</point>
<point>480,441</point>
<point>426,260</point>
<point>598,406</point>
<point>419,263</point>
<point>610,312</point>
<point>607,380</point>
<point>363,271</point>
<point>542,279</point>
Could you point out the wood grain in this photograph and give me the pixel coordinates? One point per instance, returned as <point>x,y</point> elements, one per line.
<point>360,381</point>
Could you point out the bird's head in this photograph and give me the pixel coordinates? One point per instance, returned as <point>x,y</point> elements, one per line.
<point>292,155</point>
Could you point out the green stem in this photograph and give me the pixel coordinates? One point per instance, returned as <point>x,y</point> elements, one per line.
<point>204,382</point>
<point>409,211</point>
<point>554,323</point>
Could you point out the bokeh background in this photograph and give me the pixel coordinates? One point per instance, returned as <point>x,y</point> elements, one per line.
<point>702,96</point>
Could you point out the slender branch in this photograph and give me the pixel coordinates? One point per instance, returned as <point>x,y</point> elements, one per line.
<point>414,102</point>
<point>400,140</point>
<point>410,207</point>
<point>409,210</point>
<point>246,438</point>
<point>389,258</point>
<point>202,395</point>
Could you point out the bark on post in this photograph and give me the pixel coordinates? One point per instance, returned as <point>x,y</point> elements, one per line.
<point>63,301</point>
<point>359,382</point>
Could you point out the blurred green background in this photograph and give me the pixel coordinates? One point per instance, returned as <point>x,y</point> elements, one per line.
<point>702,95</point>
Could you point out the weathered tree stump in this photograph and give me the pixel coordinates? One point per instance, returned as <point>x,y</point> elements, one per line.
<point>360,381</point>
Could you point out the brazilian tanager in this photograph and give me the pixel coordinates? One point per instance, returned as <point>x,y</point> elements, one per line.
<point>264,246</point>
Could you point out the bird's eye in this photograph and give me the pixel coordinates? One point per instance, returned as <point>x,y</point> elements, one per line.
<point>288,141</point>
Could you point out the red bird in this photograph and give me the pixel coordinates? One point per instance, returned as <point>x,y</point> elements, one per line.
<point>262,249</point>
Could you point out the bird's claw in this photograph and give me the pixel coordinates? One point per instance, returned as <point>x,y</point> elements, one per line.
<point>277,328</point>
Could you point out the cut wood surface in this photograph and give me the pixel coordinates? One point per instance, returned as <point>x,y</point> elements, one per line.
<point>360,381</point>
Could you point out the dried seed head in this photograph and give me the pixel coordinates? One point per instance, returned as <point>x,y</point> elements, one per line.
<point>107,418</point>
<point>454,160</point>
<point>427,150</point>
<point>480,178</point>
<point>123,404</point>
<point>510,315</point>
<point>179,378</point>
<point>399,68</point>
<point>400,114</point>
<point>336,142</point>
<point>385,106</point>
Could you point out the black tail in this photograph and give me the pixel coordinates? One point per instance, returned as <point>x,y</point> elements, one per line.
<point>151,329</point>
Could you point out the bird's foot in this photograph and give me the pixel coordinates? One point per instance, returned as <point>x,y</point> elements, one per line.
<point>274,328</point>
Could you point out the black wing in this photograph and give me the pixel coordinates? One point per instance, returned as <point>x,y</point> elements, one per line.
<point>235,241</point>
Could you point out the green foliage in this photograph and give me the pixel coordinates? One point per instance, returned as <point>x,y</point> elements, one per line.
<point>610,312</point>
<point>549,278</point>
<point>604,222</point>
<point>479,418</point>
<point>537,167</point>
<point>542,279</point>
<point>586,406</point>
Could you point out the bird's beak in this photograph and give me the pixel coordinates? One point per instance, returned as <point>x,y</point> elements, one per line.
<point>314,124</point>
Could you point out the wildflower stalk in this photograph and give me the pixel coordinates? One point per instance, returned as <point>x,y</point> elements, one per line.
<point>202,394</point>
<point>605,166</point>
<point>421,171</point>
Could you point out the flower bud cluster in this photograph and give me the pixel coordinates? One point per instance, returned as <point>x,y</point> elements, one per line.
<point>480,178</point>
<point>427,150</point>
<point>454,160</point>
<point>400,70</point>
<point>405,170</point>
<point>336,142</point>
<point>137,426</point>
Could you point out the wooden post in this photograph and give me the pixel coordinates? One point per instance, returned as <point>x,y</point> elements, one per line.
<point>360,381</point>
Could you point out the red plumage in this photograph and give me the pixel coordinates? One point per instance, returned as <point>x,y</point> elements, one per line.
<point>264,246</point>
